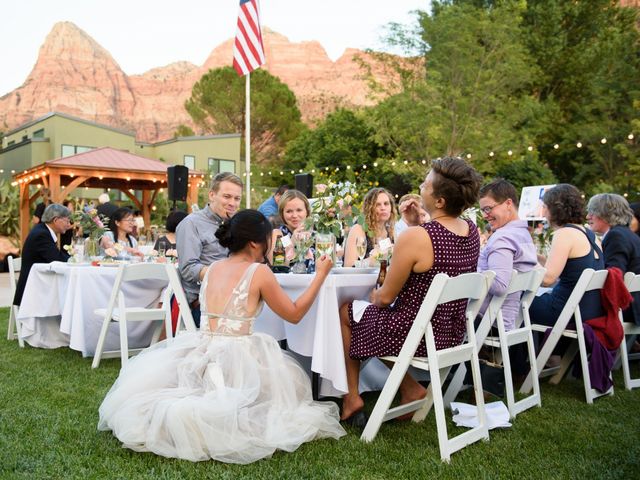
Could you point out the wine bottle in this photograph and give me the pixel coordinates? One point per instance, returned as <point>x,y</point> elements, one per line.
<point>279,256</point>
<point>383,273</point>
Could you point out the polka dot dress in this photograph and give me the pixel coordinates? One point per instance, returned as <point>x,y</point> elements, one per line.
<point>382,331</point>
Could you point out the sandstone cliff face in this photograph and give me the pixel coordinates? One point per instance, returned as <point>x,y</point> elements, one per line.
<point>75,75</point>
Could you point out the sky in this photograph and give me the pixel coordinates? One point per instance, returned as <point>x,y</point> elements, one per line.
<point>143,34</point>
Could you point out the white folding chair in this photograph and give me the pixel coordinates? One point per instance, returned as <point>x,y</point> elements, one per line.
<point>471,286</point>
<point>588,281</point>
<point>117,311</point>
<point>632,281</point>
<point>15,264</point>
<point>527,283</point>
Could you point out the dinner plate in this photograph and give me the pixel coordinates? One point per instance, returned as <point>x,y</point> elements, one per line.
<point>111,264</point>
<point>347,270</point>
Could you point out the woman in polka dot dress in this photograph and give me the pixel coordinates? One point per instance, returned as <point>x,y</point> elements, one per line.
<point>447,244</point>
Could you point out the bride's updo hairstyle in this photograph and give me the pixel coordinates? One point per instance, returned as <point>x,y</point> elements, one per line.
<point>457,183</point>
<point>244,227</point>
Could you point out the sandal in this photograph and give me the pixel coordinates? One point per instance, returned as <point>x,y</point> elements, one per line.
<point>357,420</point>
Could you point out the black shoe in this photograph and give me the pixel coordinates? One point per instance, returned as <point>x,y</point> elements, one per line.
<point>357,420</point>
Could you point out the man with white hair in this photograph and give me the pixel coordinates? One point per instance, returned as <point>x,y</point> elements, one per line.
<point>105,206</point>
<point>41,245</point>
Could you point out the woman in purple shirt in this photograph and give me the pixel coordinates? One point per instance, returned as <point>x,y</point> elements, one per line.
<point>509,247</point>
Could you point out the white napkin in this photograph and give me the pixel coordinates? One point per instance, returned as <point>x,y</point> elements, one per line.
<point>465,415</point>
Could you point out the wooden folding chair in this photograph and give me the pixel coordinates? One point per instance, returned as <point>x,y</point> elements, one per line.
<point>632,281</point>
<point>471,286</point>
<point>15,264</point>
<point>588,281</point>
<point>117,311</point>
<point>527,283</point>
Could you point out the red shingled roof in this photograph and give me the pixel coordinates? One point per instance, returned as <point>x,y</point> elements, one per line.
<point>108,158</point>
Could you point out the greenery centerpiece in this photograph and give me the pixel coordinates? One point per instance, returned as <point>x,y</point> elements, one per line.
<point>93,226</point>
<point>333,210</point>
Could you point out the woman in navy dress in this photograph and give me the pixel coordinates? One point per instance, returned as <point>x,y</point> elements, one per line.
<point>448,244</point>
<point>573,249</point>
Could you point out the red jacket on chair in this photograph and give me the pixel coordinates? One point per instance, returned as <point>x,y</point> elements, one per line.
<point>615,296</point>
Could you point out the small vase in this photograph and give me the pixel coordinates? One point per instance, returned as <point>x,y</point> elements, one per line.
<point>91,248</point>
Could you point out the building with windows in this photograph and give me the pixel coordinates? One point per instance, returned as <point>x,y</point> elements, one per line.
<point>58,135</point>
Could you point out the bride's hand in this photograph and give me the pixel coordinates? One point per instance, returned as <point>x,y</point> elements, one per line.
<point>323,265</point>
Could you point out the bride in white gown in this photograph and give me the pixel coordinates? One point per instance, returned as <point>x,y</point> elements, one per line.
<point>224,392</point>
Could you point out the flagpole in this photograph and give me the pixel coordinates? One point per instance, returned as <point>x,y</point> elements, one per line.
<point>247,138</point>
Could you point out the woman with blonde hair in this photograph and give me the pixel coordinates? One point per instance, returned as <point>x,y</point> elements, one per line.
<point>379,210</point>
<point>293,210</point>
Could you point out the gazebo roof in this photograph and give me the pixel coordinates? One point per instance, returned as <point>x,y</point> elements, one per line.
<point>107,158</point>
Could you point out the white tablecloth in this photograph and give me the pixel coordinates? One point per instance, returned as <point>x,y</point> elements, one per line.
<point>59,301</point>
<point>318,334</point>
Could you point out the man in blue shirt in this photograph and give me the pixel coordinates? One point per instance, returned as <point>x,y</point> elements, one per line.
<point>269,207</point>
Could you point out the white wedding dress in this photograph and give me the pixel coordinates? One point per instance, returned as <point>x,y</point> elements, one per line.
<point>228,394</point>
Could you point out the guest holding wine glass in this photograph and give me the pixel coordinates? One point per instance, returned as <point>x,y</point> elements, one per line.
<point>121,224</point>
<point>447,244</point>
<point>379,212</point>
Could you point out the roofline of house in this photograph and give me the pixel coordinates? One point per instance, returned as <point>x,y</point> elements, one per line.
<point>68,117</point>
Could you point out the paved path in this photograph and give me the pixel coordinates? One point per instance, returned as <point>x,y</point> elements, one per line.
<point>5,297</point>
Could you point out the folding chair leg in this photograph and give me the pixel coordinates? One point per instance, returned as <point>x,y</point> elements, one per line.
<point>565,363</point>
<point>97,356</point>
<point>629,383</point>
<point>387,395</point>
<point>11,324</point>
<point>124,342</point>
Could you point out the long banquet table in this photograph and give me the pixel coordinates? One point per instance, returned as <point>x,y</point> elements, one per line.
<point>318,334</point>
<point>58,306</point>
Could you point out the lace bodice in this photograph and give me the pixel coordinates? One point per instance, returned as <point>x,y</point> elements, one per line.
<point>234,319</point>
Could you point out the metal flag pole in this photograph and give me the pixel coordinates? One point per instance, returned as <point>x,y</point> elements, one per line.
<point>247,137</point>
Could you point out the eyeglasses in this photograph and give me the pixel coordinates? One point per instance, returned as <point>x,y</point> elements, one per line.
<point>487,210</point>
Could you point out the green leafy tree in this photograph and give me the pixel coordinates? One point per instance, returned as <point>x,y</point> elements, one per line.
<point>184,131</point>
<point>217,105</point>
<point>525,171</point>
<point>588,57</point>
<point>473,93</point>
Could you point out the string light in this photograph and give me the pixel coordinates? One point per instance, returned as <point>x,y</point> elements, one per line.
<point>579,144</point>
<point>603,141</point>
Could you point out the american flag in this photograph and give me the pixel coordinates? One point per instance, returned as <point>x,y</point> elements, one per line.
<point>248,51</point>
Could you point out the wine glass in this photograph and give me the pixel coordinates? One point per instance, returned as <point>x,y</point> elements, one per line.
<point>162,248</point>
<point>361,249</point>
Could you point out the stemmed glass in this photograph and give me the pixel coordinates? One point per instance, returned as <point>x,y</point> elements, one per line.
<point>361,249</point>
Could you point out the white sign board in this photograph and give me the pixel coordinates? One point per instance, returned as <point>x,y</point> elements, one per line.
<point>531,202</point>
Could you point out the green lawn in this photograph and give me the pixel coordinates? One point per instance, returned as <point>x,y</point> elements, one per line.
<point>49,409</point>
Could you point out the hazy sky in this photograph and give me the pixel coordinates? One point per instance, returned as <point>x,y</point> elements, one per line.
<point>142,34</point>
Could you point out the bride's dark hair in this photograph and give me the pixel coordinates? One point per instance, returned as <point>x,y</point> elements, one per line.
<point>244,227</point>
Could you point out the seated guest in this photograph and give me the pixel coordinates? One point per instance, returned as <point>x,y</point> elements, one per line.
<point>121,232</point>
<point>509,247</point>
<point>573,249</point>
<point>45,194</point>
<point>225,392</point>
<point>609,215</point>
<point>379,209</point>
<point>446,244</point>
<point>169,238</point>
<point>401,225</point>
<point>293,210</point>
<point>269,208</point>
<point>41,245</point>
<point>105,207</point>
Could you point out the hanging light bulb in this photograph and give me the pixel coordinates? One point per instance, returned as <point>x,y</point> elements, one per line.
<point>556,146</point>
<point>603,141</point>
<point>579,144</point>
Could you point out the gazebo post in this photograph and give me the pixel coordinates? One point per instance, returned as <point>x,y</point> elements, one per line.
<point>146,208</point>
<point>54,187</point>
<point>25,217</point>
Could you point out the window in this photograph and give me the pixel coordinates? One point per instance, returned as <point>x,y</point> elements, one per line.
<point>217,165</point>
<point>190,162</point>
<point>68,150</point>
<point>39,133</point>
<point>11,142</point>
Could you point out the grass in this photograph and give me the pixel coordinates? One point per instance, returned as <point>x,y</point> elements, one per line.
<point>49,413</point>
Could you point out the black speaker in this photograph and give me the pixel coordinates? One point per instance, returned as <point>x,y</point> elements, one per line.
<point>177,182</point>
<point>304,183</point>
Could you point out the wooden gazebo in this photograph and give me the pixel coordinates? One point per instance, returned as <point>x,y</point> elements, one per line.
<point>100,168</point>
